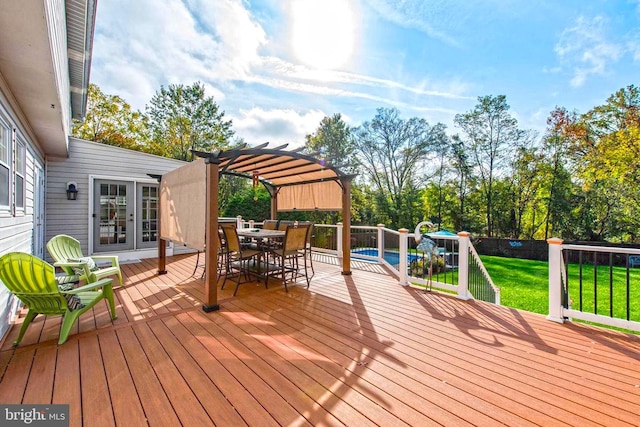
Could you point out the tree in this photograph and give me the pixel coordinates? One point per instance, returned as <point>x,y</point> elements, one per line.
<point>490,133</point>
<point>182,119</point>
<point>110,120</point>
<point>332,142</point>
<point>605,145</point>
<point>556,148</point>
<point>391,150</point>
<point>463,170</point>
<point>524,185</point>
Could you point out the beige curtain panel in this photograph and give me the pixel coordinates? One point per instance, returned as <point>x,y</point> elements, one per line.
<point>183,193</point>
<point>324,196</point>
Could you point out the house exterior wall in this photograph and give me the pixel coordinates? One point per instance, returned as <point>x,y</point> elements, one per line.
<point>89,160</point>
<point>16,223</point>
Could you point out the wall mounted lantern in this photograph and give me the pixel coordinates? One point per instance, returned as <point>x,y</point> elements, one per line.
<point>72,190</point>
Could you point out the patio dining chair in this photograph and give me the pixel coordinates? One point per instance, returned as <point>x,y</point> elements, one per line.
<point>287,257</point>
<point>222,253</point>
<point>270,224</point>
<point>33,281</point>
<point>237,257</point>
<point>66,252</point>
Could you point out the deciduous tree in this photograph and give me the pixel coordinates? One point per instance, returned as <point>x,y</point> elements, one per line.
<point>110,120</point>
<point>391,151</point>
<point>490,134</point>
<point>183,119</point>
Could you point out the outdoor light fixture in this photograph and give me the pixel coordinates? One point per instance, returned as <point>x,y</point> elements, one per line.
<point>72,190</point>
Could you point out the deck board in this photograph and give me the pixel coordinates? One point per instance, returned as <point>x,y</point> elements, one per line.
<point>351,350</point>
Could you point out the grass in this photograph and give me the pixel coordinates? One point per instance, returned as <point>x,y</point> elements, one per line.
<point>524,285</point>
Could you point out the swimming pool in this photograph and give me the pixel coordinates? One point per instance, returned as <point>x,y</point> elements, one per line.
<point>391,257</point>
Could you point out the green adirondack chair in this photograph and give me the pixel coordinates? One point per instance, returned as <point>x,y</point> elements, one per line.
<point>66,252</point>
<point>33,281</point>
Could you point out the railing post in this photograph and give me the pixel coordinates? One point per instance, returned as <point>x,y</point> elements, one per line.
<point>252,224</point>
<point>555,280</point>
<point>380,243</point>
<point>339,237</point>
<point>239,221</point>
<point>463,265</point>
<point>403,267</point>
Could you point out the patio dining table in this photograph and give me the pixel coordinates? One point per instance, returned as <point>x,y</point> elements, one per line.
<point>264,240</point>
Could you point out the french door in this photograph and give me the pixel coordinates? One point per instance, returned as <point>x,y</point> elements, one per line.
<point>113,216</point>
<point>147,216</point>
<point>125,215</point>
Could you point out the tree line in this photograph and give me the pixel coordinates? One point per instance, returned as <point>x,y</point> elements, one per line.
<point>578,180</point>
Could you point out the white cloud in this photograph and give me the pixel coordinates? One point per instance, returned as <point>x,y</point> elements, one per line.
<point>277,126</point>
<point>416,14</point>
<point>168,41</point>
<point>585,48</point>
<point>143,44</point>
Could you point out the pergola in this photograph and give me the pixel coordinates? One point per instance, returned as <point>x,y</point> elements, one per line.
<point>293,179</point>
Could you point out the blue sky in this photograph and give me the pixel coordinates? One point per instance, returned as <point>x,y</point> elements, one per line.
<point>278,67</point>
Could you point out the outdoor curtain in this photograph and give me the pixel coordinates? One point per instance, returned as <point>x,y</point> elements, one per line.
<point>326,195</point>
<point>183,193</point>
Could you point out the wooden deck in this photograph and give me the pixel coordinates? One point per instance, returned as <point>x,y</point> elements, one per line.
<point>354,350</point>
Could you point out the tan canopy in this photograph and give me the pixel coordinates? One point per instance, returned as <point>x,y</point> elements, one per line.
<point>189,198</point>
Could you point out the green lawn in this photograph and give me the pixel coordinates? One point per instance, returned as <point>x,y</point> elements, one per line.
<point>524,285</point>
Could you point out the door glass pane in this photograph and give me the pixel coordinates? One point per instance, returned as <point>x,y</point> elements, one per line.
<point>149,213</point>
<point>113,214</point>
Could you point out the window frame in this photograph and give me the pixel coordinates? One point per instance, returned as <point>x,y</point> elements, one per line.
<point>20,155</point>
<point>6,135</point>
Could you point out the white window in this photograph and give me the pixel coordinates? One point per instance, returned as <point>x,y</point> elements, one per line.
<point>5,162</point>
<point>20,170</point>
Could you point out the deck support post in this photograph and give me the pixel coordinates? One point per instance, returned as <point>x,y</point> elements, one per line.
<point>346,229</point>
<point>211,240</point>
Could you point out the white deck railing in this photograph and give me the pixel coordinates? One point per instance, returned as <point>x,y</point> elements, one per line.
<point>462,270</point>
<point>578,295</point>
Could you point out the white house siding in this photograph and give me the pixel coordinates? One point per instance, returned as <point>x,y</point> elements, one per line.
<point>88,159</point>
<point>56,20</point>
<point>17,225</point>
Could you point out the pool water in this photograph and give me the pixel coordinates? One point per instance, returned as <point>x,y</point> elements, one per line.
<point>391,257</point>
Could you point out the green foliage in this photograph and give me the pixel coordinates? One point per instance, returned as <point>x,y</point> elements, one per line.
<point>332,142</point>
<point>110,120</point>
<point>491,135</point>
<point>251,203</point>
<point>391,151</point>
<point>182,119</point>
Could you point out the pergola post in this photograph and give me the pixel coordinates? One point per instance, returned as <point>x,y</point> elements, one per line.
<point>346,226</point>
<point>211,241</point>
<point>162,244</point>
<point>274,203</point>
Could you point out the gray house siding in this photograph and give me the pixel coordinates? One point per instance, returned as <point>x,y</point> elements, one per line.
<point>90,159</point>
<point>17,224</point>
